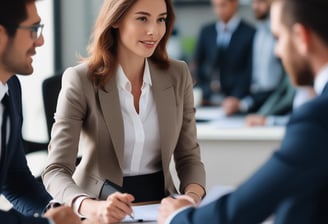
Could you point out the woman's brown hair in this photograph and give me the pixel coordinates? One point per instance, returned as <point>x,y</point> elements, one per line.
<point>102,50</point>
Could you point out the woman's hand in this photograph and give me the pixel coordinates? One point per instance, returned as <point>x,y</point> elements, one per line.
<point>113,210</point>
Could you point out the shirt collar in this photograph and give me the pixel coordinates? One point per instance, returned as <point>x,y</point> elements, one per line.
<point>124,83</point>
<point>231,25</point>
<point>3,90</point>
<point>321,80</point>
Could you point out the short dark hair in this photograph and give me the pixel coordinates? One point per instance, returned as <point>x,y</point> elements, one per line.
<point>310,13</point>
<point>12,13</point>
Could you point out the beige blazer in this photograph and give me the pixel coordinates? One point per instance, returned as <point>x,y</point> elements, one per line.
<point>90,118</point>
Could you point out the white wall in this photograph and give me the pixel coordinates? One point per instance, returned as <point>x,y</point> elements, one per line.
<point>78,17</point>
<point>34,126</point>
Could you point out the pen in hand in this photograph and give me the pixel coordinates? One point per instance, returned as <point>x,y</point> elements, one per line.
<point>131,215</point>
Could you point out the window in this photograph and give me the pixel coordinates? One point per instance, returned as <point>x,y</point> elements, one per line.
<point>34,126</point>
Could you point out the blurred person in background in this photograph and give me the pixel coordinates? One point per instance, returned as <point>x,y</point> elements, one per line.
<point>267,70</point>
<point>222,60</point>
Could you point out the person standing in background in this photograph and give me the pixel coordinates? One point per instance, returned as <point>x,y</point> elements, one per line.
<point>302,95</point>
<point>20,35</point>
<point>222,59</point>
<point>130,108</point>
<point>278,187</point>
<point>267,70</point>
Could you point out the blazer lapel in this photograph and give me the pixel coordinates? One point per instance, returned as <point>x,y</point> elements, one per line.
<point>14,133</point>
<point>111,109</point>
<point>164,96</point>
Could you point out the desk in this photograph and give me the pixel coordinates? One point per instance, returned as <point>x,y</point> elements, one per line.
<point>230,150</point>
<point>231,155</point>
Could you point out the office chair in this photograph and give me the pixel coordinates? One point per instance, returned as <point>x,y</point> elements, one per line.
<point>50,90</point>
<point>36,151</point>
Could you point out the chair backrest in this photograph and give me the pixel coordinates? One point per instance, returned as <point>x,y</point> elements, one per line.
<point>50,90</point>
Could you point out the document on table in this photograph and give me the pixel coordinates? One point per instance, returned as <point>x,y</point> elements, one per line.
<point>209,113</point>
<point>143,213</point>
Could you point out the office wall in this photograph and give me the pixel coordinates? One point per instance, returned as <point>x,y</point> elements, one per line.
<point>34,126</point>
<point>78,17</point>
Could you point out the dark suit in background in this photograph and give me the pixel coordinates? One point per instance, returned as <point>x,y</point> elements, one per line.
<point>293,184</point>
<point>231,65</point>
<point>280,101</point>
<point>17,183</point>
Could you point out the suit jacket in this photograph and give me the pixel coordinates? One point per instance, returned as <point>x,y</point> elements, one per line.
<point>234,66</point>
<point>280,102</point>
<point>95,113</point>
<point>17,183</point>
<point>292,184</point>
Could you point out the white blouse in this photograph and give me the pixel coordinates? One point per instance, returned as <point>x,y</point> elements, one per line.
<point>142,153</point>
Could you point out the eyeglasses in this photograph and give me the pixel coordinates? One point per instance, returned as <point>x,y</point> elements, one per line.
<point>36,30</point>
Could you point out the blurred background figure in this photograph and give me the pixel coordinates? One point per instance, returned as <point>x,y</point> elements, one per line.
<point>222,59</point>
<point>267,70</point>
<point>301,96</point>
<point>174,48</point>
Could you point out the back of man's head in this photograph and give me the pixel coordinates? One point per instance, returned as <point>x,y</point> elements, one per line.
<point>310,13</point>
<point>12,13</point>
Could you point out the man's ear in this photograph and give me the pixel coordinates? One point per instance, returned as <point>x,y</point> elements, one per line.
<point>302,38</point>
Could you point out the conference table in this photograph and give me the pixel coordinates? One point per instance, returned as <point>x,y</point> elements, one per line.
<point>230,150</point>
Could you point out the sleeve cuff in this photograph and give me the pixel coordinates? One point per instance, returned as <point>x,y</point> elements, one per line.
<point>77,204</point>
<point>51,204</point>
<point>51,221</point>
<point>245,104</point>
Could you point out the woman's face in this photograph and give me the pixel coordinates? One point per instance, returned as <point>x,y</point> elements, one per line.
<point>142,28</point>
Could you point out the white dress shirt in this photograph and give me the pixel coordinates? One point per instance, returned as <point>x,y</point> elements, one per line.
<point>225,30</point>
<point>267,69</point>
<point>321,80</point>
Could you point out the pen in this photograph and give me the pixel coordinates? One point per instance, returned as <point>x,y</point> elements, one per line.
<point>175,196</point>
<point>132,214</point>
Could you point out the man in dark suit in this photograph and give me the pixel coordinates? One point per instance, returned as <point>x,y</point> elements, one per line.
<point>267,70</point>
<point>293,184</point>
<point>20,34</point>
<point>223,55</point>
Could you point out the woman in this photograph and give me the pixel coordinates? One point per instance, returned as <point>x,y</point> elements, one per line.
<point>129,108</point>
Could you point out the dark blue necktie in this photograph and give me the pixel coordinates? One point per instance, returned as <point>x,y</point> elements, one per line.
<point>5,115</point>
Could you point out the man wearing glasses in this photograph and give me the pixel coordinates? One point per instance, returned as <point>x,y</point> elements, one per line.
<point>20,34</point>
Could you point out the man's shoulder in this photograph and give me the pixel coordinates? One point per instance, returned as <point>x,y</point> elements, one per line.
<point>315,109</point>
